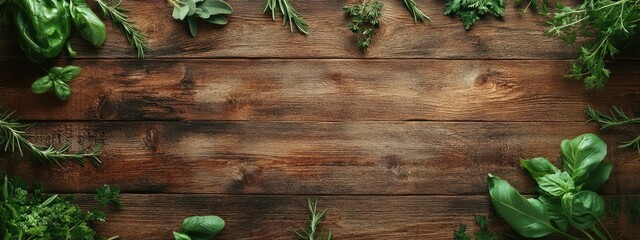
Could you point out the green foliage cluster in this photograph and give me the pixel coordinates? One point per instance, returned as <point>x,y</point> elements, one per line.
<point>470,11</point>
<point>211,11</point>
<point>483,234</point>
<point>364,20</point>
<point>568,198</point>
<point>58,80</point>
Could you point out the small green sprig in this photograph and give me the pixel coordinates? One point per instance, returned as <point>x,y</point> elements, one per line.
<point>416,12</point>
<point>211,11</point>
<point>119,18</point>
<point>617,118</point>
<point>315,218</point>
<point>364,20</point>
<point>483,234</point>
<point>289,14</point>
<point>470,11</point>
<point>109,196</point>
<point>539,6</point>
<point>13,137</point>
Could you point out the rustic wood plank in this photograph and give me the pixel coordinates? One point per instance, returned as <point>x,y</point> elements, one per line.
<point>251,34</point>
<point>274,217</point>
<point>319,90</point>
<point>312,158</point>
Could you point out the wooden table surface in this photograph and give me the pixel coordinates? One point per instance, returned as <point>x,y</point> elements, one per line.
<point>249,120</point>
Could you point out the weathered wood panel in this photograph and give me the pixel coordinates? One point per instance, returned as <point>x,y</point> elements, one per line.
<point>275,217</point>
<point>251,34</point>
<point>319,90</point>
<point>312,158</point>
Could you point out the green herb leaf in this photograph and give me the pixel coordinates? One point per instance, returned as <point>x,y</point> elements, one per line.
<point>598,177</point>
<point>211,11</point>
<point>90,27</point>
<point>62,90</point>
<point>119,18</point>
<point>181,236</point>
<point>539,167</point>
<point>557,184</point>
<point>108,196</point>
<point>290,15</point>
<point>42,85</point>
<point>416,12</point>
<point>471,10</point>
<point>582,155</point>
<point>202,227</point>
<point>584,209</point>
<point>364,20</point>
<point>556,213</point>
<point>617,118</point>
<point>69,73</point>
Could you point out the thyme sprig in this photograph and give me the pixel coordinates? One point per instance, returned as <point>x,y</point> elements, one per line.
<point>119,18</point>
<point>289,14</point>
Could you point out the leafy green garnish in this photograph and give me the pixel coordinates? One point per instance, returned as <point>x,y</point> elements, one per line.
<point>57,80</point>
<point>313,230</point>
<point>200,228</point>
<point>109,196</point>
<point>539,6</point>
<point>483,234</point>
<point>211,11</point>
<point>617,118</point>
<point>364,20</point>
<point>567,198</point>
<point>416,12</point>
<point>470,11</point>
<point>289,15</point>
<point>611,24</point>
<point>13,136</point>
<point>43,217</point>
<point>119,18</point>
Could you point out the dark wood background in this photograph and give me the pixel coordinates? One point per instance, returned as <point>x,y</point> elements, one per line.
<point>249,120</point>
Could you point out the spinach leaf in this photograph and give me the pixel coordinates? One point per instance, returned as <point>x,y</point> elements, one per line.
<point>528,217</point>
<point>57,80</point>
<point>582,155</point>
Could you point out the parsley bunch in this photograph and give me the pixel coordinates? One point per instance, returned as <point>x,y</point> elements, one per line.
<point>364,20</point>
<point>611,24</point>
<point>45,217</point>
<point>470,11</point>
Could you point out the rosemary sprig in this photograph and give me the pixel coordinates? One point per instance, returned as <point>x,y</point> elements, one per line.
<point>119,18</point>
<point>13,136</point>
<point>289,15</point>
<point>315,218</point>
<point>416,12</point>
<point>617,119</point>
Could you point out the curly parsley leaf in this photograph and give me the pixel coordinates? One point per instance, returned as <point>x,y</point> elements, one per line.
<point>470,11</point>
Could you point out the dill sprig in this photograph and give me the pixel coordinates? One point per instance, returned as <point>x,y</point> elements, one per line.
<point>119,18</point>
<point>315,218</point>
<point>617,118</point>
<point>289,15</point>
<point>13,136</point>
<point>416,12</point>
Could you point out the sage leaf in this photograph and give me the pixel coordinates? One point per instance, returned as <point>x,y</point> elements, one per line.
<point>216,7</point>
<point>528,217</point>
<point>202,227</point>
<point>598,177</point>
<point>181,236</point>
<point>538,167</point>
<point>193,26</point>
<point>62,89</point>
<point>582,155</point>
<point>42,85</point>
<point>556,184</point>
<point>180,12</point>
<point>584,209</point>
<point>217,19</point>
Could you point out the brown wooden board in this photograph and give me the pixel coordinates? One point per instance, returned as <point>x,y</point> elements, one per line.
<point>319,90</point>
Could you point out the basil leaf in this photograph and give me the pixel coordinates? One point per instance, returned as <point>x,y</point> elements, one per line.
<point>584,209</point>
<point>539,167</point>
<point>55,70</point>
<point>90,27</point>
<point>181,236</point>
<point>598,177</point>
<point>202,227</point>
<point>556,185</point>
<point>69,73</point>
<point>63,91</point>
<point>528,217</point>
<point>582,155</point>
<point>555,212</point>
<point>42,85</point>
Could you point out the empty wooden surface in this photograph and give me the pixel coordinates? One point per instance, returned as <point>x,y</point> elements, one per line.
<point>249,120</point>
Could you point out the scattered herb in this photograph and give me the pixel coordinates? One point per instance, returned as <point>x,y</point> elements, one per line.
<point>364,20</point>
<point>109,196</point>
<point>13,136</point>
<point>539,6</point>
<point>567,198</point>
<point>211,11</point>
<point>119,18</point>
<point>289,14</point>
<point>200,228</point>
<point>416,12</point>
<point>57,80</point>
<point>610,24</point>
<point>617,119</point>
<point>41,216</point>
<point>470,11</point>
<point>315,218</point>
<point>484,234</point>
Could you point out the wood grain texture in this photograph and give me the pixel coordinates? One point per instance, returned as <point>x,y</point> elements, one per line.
<point>252,34</point>
<point>386,158</point>
<point>319,90</point>
<point>275,217</point>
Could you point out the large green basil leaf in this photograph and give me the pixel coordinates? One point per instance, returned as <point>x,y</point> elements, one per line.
<point>62,89</point>
<point>69,73</point>
<point>538,167</point>
<point>43,27</point>
<point>42,85</point>
<point>556,215</point>
<point>582,155</point>
<point>598,177</point>
<point>202,227</point>
<point>556,184</point>
<point>528,217</point>
<point>584,209</point>
<point>91,28</point>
